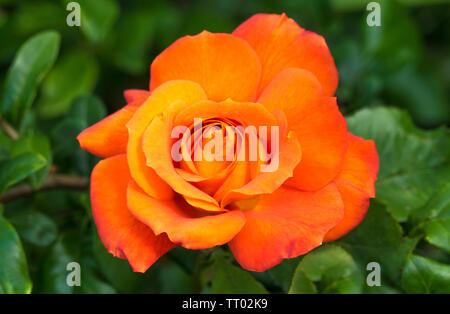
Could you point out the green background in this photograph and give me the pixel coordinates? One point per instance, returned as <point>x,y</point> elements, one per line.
<point>57,80</point>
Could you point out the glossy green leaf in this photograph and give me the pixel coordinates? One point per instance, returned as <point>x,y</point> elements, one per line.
<point>437,232</point>
<point>434,219</point>
<point>328,269</point>
<point>60,88</point>
<point>30,65</point>
<point>38,144</point>
<point>19,168</point>
<point>422,275</point>
<point>229,278</point>
<point>379,238</point>
<point>14,276</point>
<point>413,162</point>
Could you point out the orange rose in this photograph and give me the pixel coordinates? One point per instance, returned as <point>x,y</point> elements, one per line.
<point>268,73</point>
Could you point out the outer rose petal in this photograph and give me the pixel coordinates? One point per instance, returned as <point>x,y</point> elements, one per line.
<point>360,167</point>
<point>109,136</point>
<point>286,224</point>
<point>323,137</point>
<point>122,234</point>
<point>160,100</point>
<point>280,43</point>
<point>296,92</point>
<point>132,95</point>
<point>224,65</point>
<point>356,204</point>
<point>320,127</point>
<point>183,223</point>
<point>356,183</point>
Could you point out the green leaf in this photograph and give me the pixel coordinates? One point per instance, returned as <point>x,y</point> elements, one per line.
<point>228,278</point>
<point>18,168</point>
<point>38,144</point>
<point>422,275</point>
<point>413,162</point>
<point>328,269</point>
<point>14,276</point>
<point>434,219</point>
<point>283,272</point>
<point>437,232</point>
<point>35,227</point>
<point>59,89</point>
<point>379,238</point>
<point>98,17</point>
<point>31,63</point>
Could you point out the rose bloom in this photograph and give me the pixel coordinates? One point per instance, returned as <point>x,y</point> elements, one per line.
<point>268,72</point>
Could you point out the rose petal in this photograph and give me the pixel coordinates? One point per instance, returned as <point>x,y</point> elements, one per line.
<point>280,43</point>
<point>182,223</point>
<point>197,58</point>
<point>132,95</point>
<point>286,224</point>
<point>123,235</point>
<point>109,136</point>
<point>356,183</point>
<point>294,91</point>
<point>159,101</point>
<point>361,164</point>
<point>290,155</point>
<point>356,204</point>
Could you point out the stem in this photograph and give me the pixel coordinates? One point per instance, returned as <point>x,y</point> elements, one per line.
<point>53,182</point>
<point>9,130</point>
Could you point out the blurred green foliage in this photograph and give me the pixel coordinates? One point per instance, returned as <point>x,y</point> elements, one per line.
<point>56,80</point>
